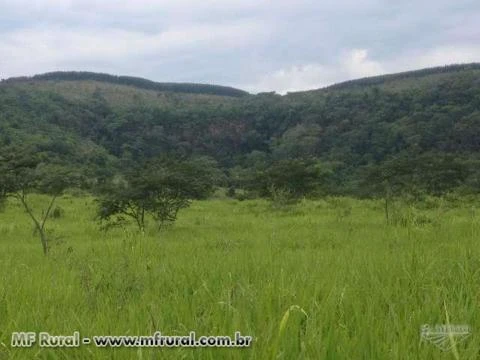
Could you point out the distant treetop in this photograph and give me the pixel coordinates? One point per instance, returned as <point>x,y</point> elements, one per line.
<point>133,81</point>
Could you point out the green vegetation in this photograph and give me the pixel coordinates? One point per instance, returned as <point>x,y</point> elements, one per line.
<point>133,81</point>
<point>159,189</point>
<point>369,231</point>
<point>341,134</point>
<point>226,265</point>
<point>23,172</point>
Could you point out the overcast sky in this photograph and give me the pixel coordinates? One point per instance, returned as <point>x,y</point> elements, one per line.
<point>256,45</point>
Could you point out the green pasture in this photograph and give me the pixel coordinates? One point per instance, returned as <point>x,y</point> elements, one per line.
<point>324,279</point>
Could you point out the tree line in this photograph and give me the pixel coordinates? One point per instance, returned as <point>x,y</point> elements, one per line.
<point>148,161</point>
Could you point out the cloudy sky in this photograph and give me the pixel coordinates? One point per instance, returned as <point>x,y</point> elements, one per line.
<point>257,45</point>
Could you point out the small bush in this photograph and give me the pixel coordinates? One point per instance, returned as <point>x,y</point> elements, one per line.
<point>282,199</point>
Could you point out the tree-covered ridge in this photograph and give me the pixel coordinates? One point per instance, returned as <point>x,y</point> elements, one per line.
<point>132,81</point>
<point>356,141</point>
<point>415,74</point>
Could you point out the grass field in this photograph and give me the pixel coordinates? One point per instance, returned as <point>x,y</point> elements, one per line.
<point>365,287</point>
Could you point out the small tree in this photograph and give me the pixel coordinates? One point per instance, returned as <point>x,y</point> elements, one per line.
<point>295,178</point>
<point>159,188</point>
<point>23,171</point>
<point>119,201</point>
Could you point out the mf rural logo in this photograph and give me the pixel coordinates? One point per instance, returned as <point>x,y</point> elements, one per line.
<point>445,337</point>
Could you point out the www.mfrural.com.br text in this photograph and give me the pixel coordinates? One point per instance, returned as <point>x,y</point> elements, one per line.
<point>47,340</point>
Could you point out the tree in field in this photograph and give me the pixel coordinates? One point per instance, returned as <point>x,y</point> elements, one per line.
<point>23,171</point>
<point>412,176</point>
<point>159,189</point>
<point>293,178</point>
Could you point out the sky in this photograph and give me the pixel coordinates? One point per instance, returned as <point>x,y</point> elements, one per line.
<point>255,45</point>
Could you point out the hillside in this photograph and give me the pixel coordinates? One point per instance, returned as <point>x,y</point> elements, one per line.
<point>140,83</point>
<point>392,124</point>
<point>425,77</point>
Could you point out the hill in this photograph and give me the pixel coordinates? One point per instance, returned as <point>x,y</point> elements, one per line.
<point>136,82</point>
<point>424,76</point>
<point>420,128</point>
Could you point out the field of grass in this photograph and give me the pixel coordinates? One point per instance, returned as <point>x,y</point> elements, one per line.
<point>362,289</point>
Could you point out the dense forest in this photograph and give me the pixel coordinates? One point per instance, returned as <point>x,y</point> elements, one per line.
<point>409,133</point>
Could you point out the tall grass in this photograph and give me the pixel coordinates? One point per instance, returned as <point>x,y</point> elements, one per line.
<point>327,279</point>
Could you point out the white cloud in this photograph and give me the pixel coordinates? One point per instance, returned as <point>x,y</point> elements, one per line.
<point>295,78</point>
<point>357,64</point>
<point>442,55</point>
<point>282,45</point>
<point>29,51</point>
<point>353,64</point>
<point>124,9</point>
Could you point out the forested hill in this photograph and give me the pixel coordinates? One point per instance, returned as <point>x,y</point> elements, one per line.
<point>132,81</point>
<point>429,74</point>
<point>415,132</point>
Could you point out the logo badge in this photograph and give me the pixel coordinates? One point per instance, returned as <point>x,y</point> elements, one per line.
<point>445,337</point>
